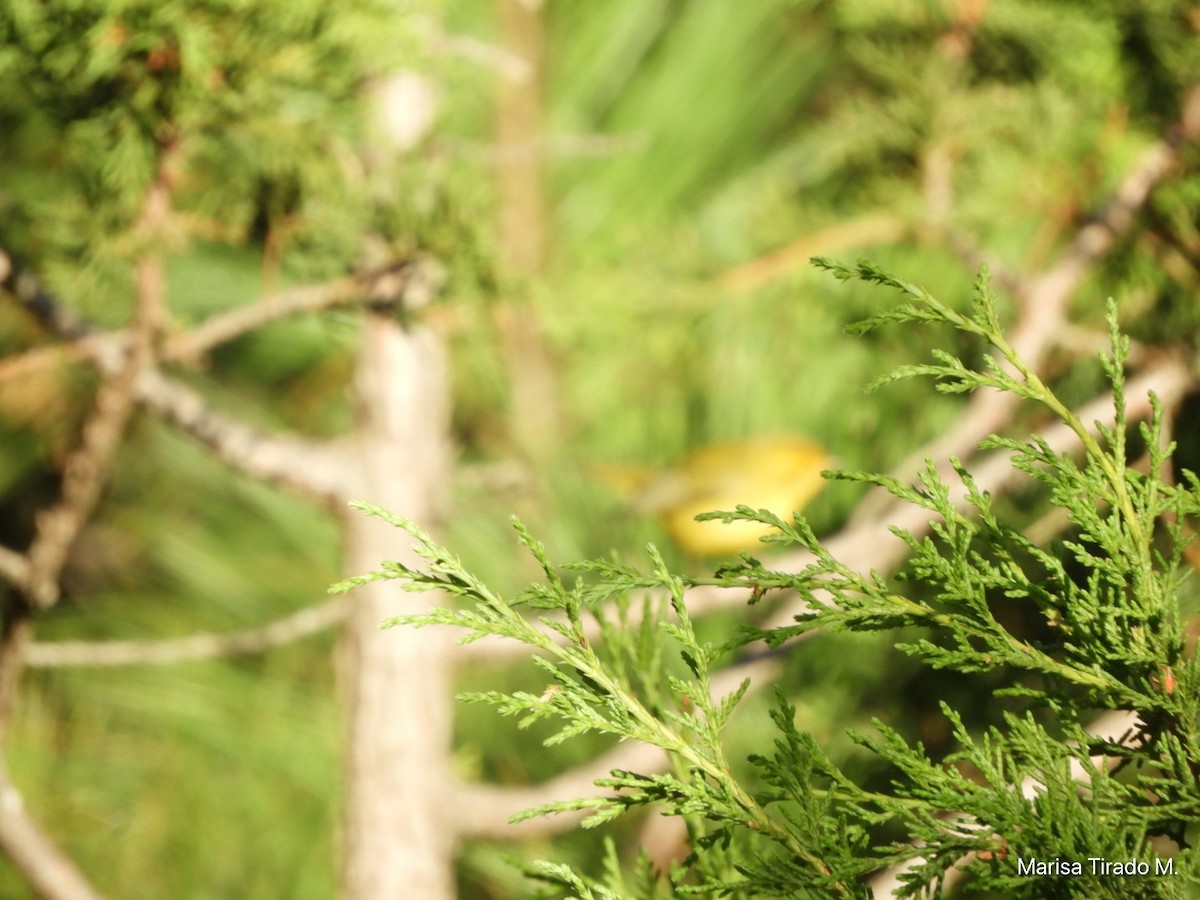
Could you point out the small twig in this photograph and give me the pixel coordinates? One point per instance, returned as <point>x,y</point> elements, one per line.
<point>45,868</point>
<point>436,40</point>
<point>302,466</point>
<point>38,358</point>
<point>15,635</point>
<point>409,284</point>
<point>782,262</point>
<point>955,42</point>
<point>110,654</point>
<point>484,810</point>
<point>307,468</point>
<point>83,477</point>
<point>86,469</point>
<point>32,296</point>
<point>14,567</point>
<point>392,284</point>
<point>937,183</point>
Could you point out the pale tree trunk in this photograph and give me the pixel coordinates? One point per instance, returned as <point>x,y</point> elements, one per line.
<point>398,840</point>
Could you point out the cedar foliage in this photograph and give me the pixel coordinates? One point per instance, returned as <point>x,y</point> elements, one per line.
<point>1110,594</point>
<point>743,129</point>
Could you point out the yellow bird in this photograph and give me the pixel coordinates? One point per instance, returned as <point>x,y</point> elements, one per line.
<point>781,474</point>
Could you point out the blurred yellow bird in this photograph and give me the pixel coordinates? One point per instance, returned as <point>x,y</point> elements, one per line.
<point>781,474</point>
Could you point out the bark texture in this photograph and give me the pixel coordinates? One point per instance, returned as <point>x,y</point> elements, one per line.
<point>399,838</point>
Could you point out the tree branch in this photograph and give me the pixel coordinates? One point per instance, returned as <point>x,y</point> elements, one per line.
<point>47,870</point>
<point>51,874</point>
<point>411,285</point>
<point>877,229</point>
<point>302,466</point>
<point>1043,301</point>
<point>483,810</point>
<point>110,654</point>
<point>297,464</point>
<point>319,472</point>
<point>14,567</point>
<point>86,469</point>
<point>84,475</point>
<point>25,287</point>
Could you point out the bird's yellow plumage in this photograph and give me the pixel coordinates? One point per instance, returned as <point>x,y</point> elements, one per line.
<point>781,474</point>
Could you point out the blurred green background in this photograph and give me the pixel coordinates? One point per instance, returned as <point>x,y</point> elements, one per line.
<point>682,143</point>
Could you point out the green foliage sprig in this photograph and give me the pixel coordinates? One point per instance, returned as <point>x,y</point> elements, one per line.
<point>1004,799</point>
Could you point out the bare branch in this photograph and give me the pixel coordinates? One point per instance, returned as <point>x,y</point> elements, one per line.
<point>86,469</point>
<point>955,42</point>
<point>84,475</point>
<point>110,654</point>
<point>782,262</point>
<point>551,146</point>
<point>15,634</point>
<point>47,870</point>
<point>14,567</point>
<point>305,467</point>
<point>28,291</point>
<point>50,873</point>
<point>437,40</point>
<point>300,465</point>
<point>410,285</point>
<point>483,810</point>
<point>41,357</point>
<point>937,183</point>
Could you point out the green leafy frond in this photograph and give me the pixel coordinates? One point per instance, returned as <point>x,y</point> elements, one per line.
<point>1003,797</point>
